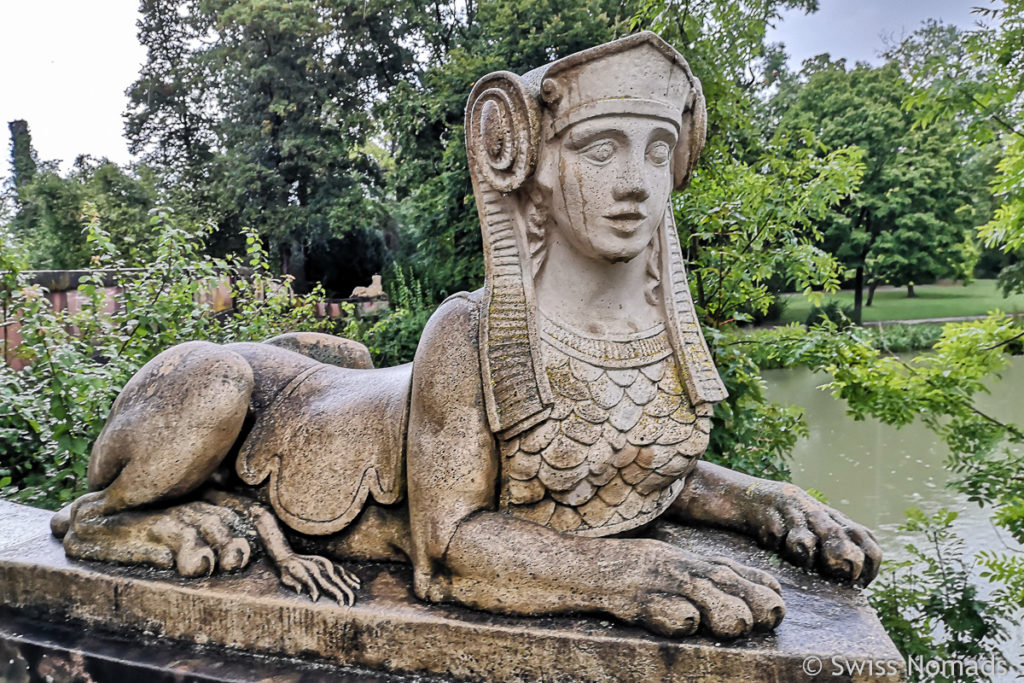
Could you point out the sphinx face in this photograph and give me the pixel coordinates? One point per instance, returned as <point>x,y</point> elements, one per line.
<point>613,177</point>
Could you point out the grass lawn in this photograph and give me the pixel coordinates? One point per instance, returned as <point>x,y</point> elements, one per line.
<point>932,301</point>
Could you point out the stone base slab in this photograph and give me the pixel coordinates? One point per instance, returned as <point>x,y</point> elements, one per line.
<point>389,630</point>
<point>34,650</point>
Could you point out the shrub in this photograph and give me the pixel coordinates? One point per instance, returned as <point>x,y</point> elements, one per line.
<point>754,315</point>
<point>898,338</point>
<point>832,311</point>
<point>53,409</point>
<point>930,606</point>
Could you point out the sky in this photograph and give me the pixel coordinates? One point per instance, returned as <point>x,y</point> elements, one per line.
<point>858,29</point>
<point>64,67</point>
<point>67,63</point>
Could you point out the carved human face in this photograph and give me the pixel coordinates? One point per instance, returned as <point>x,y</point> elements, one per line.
<point>614,177</point>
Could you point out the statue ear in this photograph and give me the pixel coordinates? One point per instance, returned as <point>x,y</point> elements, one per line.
<point>502,131</point>
<point>692,133</point>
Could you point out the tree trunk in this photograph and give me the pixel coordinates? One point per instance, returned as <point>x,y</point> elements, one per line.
<point>871,292</point>
<point>910,291</point>
<point>293,262</point>
<point>858,295</point>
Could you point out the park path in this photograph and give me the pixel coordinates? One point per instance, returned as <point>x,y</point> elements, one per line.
<point>923,321</point>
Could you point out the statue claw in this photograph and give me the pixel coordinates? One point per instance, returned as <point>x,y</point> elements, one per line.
<point>318,576</point>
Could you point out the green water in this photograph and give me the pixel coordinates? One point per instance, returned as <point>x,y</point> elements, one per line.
<point>873,472</point>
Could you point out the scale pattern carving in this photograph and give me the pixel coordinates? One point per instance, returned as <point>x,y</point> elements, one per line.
<point>621,437</point>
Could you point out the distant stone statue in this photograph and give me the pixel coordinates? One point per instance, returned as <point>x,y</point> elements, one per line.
<point>374,290</point>
<point>545,420</point>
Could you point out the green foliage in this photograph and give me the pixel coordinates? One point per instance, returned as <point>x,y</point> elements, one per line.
<point>744,227</point>
<point>784,346</point>
<point>831,311</point>
<point>750,433</point>
<point>901,338</point>
<point>724,43</point>
<point>980,85</point>
<point>23,157</point>
<point>1006,572</point>
<point>260,113</point>
<point>1006,229</point>
<point>776,308</point>
<point>53,210</point>
<point>905,225</point>
<point>930,606</point>
<point>53,410</point>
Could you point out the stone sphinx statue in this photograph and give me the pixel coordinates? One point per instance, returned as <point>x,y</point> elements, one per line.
<point>546,419</point>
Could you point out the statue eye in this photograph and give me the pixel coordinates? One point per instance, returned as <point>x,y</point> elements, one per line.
<point>659,153</point>
<point>599,152</point>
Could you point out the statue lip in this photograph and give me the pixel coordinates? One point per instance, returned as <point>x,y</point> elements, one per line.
<point>626,222</point>
<point>631,215</point>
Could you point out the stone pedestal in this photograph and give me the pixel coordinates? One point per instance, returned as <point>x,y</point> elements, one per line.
<point>205,623</point>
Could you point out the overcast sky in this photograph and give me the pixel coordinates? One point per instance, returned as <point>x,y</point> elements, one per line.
<point>857,29</point>
<point>65,64</point>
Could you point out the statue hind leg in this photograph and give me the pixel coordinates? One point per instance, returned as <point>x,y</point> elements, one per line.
<point>168,431</point>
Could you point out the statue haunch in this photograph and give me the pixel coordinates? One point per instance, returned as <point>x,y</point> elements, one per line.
<point>565,403</point>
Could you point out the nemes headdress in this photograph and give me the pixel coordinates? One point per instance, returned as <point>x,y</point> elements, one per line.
<point>508,117</point>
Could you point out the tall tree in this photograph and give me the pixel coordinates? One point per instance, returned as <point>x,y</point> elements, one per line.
<point>53,210</point>
<point>725,42</point>
<point>979,85</point>
<point>903,226</point>
<point>265,109</point>
<point>171,112</point>
<point>24,165</point>
<point>23,157</point>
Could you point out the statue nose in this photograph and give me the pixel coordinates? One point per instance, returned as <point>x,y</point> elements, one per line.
<point>631,183</point>
<point>634,190</point>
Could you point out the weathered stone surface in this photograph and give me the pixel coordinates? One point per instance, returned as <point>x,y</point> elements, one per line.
<point>325,348</point>
<point>390,630</point>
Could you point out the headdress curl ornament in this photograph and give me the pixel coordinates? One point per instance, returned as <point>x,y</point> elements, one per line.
<point>507,118</point>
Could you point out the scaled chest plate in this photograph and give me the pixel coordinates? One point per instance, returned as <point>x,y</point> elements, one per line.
<point>620,439</point>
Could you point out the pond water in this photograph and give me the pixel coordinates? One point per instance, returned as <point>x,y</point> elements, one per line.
<point>874,472</point>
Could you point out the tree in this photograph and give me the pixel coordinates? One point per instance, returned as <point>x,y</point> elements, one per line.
<point>755,224</point>
<point>171,111</point>
<point>266,110</point>
<point>23,157</point>
<point>980,86</point>
<point>24,164</point>
<point>52,209</point>
<point>57,208</point>
<point>904,225</point>
<point>724,42</point>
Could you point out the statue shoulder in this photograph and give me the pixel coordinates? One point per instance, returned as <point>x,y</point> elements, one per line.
<point>453,331</point>
<point>468,300</point>
<point>458,317</point>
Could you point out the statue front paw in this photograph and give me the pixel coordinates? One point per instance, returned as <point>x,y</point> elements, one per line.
<point>316,574</point>
<point>680,592</point>
<point>811,534</point>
